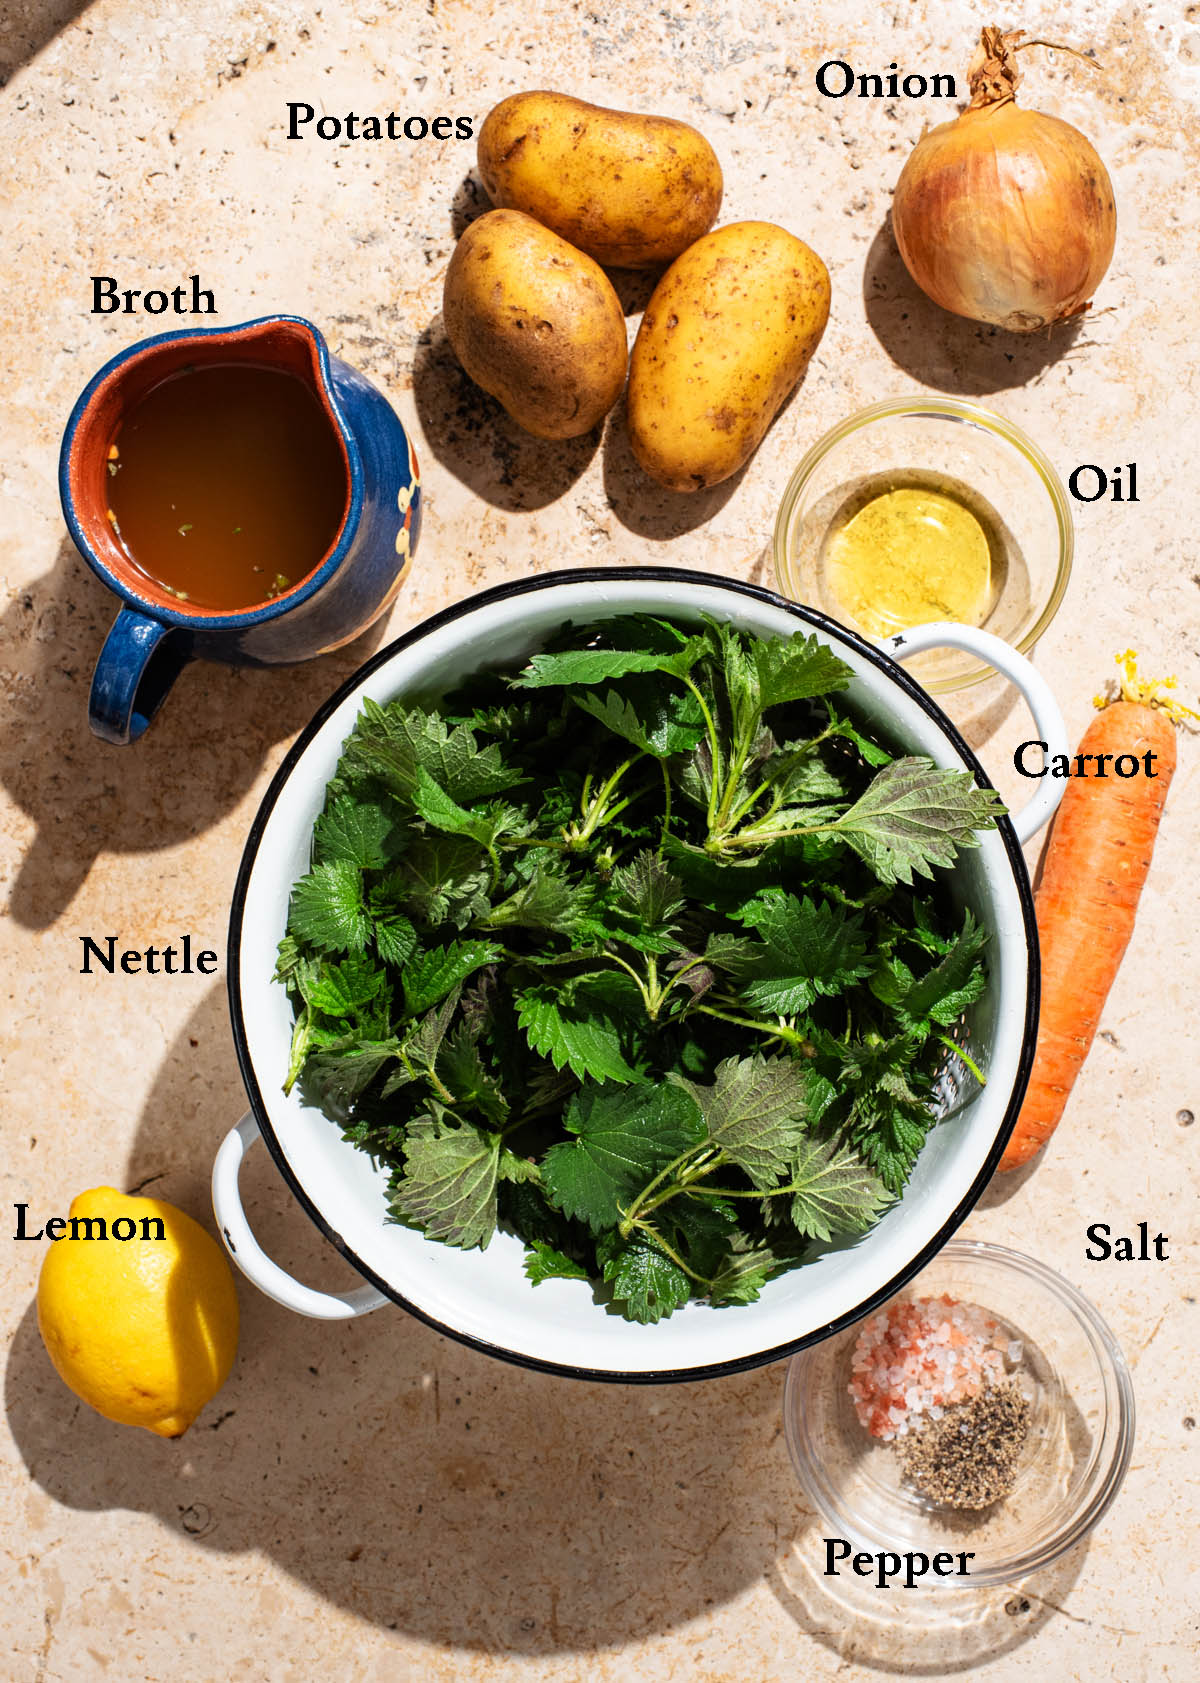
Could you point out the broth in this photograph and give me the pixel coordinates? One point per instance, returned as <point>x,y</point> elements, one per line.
<point>227,484</point>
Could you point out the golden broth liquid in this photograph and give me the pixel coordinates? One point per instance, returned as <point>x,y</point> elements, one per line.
<point>227,484</point>
<point>902,554</point>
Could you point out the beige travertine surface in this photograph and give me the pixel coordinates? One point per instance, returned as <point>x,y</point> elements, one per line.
<point>371,1501</point>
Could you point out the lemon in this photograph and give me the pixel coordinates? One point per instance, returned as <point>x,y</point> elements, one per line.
<point>143,1329</point>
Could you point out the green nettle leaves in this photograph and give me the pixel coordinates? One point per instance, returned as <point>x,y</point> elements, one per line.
<point>626,1136</point>
<point>622,954</point>
<point>754,1111</point>
<point>565,1025</point>
<point>914,815</point>
<point>806,949</point>
<point>328,911</point>
<point>833,1192</point>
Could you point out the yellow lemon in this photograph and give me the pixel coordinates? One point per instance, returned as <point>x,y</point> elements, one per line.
<point>142,1327</point>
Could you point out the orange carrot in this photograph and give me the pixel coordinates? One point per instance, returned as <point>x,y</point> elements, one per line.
<point>1096,863</point>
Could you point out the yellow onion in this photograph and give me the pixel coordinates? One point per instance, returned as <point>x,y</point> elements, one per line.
<point>1004,215</point>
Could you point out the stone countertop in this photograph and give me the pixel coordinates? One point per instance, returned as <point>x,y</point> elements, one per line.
<point>373,1501</point>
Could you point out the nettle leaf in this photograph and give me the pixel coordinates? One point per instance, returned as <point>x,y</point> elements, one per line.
<point>794,670</point>
<point>573,1033</point>
<point>518,1170</point>
<point>755,1110</point>
<point>396,742</point>
<point>340,989</point>
<point>808,949</point>
<point>799,774</point>
<point>543,1262</point>
<point>448,1186</point>
<point>626,1135</point>
<point>327,910</point>
<point>645,1283</point>
<point>890,1139</point>
<point>914,815</point>
<point>443,880</point>
<point>740,677</point>
<point>395,938</point>
<point>421,1044</point>
<point>342,1070</point>
<point>871,752</point>
<point>589,667</point>
<point>438,808</point>
<point>288,959</point>
<point>461,1069</point>
<point>957,981</point>
<point>835,1191</point>
<point>353,832</point>
<point>727,952</point>
<point>430,975</point>
<point>661,726</point>
<point>649,892</point>
<point>751,1263</point>
<point>741,1278</point>
<point>546,901</point>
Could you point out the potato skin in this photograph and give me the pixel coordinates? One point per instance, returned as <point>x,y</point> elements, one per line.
<point>535,323</point>
<point>728,332</point>
<point>631,191</point>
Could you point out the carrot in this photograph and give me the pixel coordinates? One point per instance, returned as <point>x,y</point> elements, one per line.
<point>1096,863</point>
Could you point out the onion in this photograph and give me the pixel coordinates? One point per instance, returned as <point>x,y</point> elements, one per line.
<point>1004,215</point>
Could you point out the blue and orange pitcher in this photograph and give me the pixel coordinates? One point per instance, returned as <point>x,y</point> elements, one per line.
<point>156,632</point>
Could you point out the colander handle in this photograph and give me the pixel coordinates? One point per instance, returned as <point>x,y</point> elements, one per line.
<point>1039,698</point>
<point>253,1261</point>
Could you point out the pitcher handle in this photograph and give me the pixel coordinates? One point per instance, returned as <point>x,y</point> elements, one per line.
<point>1038,696</point>
<point>139,662</point>
<point>250,1257</point>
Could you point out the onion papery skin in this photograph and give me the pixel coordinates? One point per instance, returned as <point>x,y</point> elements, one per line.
<point>1006,216</point>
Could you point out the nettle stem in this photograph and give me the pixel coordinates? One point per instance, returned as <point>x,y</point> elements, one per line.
<point>961,1052</point>
<point>596,809</point>
<point>776,1031</point>
<point>697,1160</point>
<point>715,748</point>
<point>669,1251</point>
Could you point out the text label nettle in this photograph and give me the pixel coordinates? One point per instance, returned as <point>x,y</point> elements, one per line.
<point>174,960</point>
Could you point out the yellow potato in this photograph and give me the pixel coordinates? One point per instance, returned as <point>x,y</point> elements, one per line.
<point>631,191</point>
<point>535,323</point>
<point>729,331</point>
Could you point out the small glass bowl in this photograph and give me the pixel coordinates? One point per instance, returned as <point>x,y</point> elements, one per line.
<point>1080,1427</point>
<point>941,443</point>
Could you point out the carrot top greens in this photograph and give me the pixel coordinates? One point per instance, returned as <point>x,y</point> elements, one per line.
<point>637,953</point>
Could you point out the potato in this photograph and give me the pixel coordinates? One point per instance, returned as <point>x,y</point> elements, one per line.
<point>631,191</point>
<point>535,323</point>
<point>728,332</point>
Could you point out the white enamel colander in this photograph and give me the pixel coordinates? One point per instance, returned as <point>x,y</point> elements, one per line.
<point>484,1297</point>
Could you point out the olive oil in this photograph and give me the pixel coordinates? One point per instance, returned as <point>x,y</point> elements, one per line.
<point>227,484</point>
<point>904,553</point>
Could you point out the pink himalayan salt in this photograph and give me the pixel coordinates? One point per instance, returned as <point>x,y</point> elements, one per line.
<point>918,1357</point>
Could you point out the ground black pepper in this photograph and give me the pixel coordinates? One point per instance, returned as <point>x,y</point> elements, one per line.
<point>969,1458</point>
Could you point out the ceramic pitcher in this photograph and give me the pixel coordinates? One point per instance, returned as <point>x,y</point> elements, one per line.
<point>155,633</point>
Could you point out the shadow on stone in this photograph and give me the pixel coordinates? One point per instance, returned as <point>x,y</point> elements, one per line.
<point>410,1480</point>
<point>948,352</point>
<point>475,439</point>
<point>197,760</point>
<point>30,28</point>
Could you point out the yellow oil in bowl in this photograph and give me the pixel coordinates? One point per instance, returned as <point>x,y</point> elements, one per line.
<point>900,554</point>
